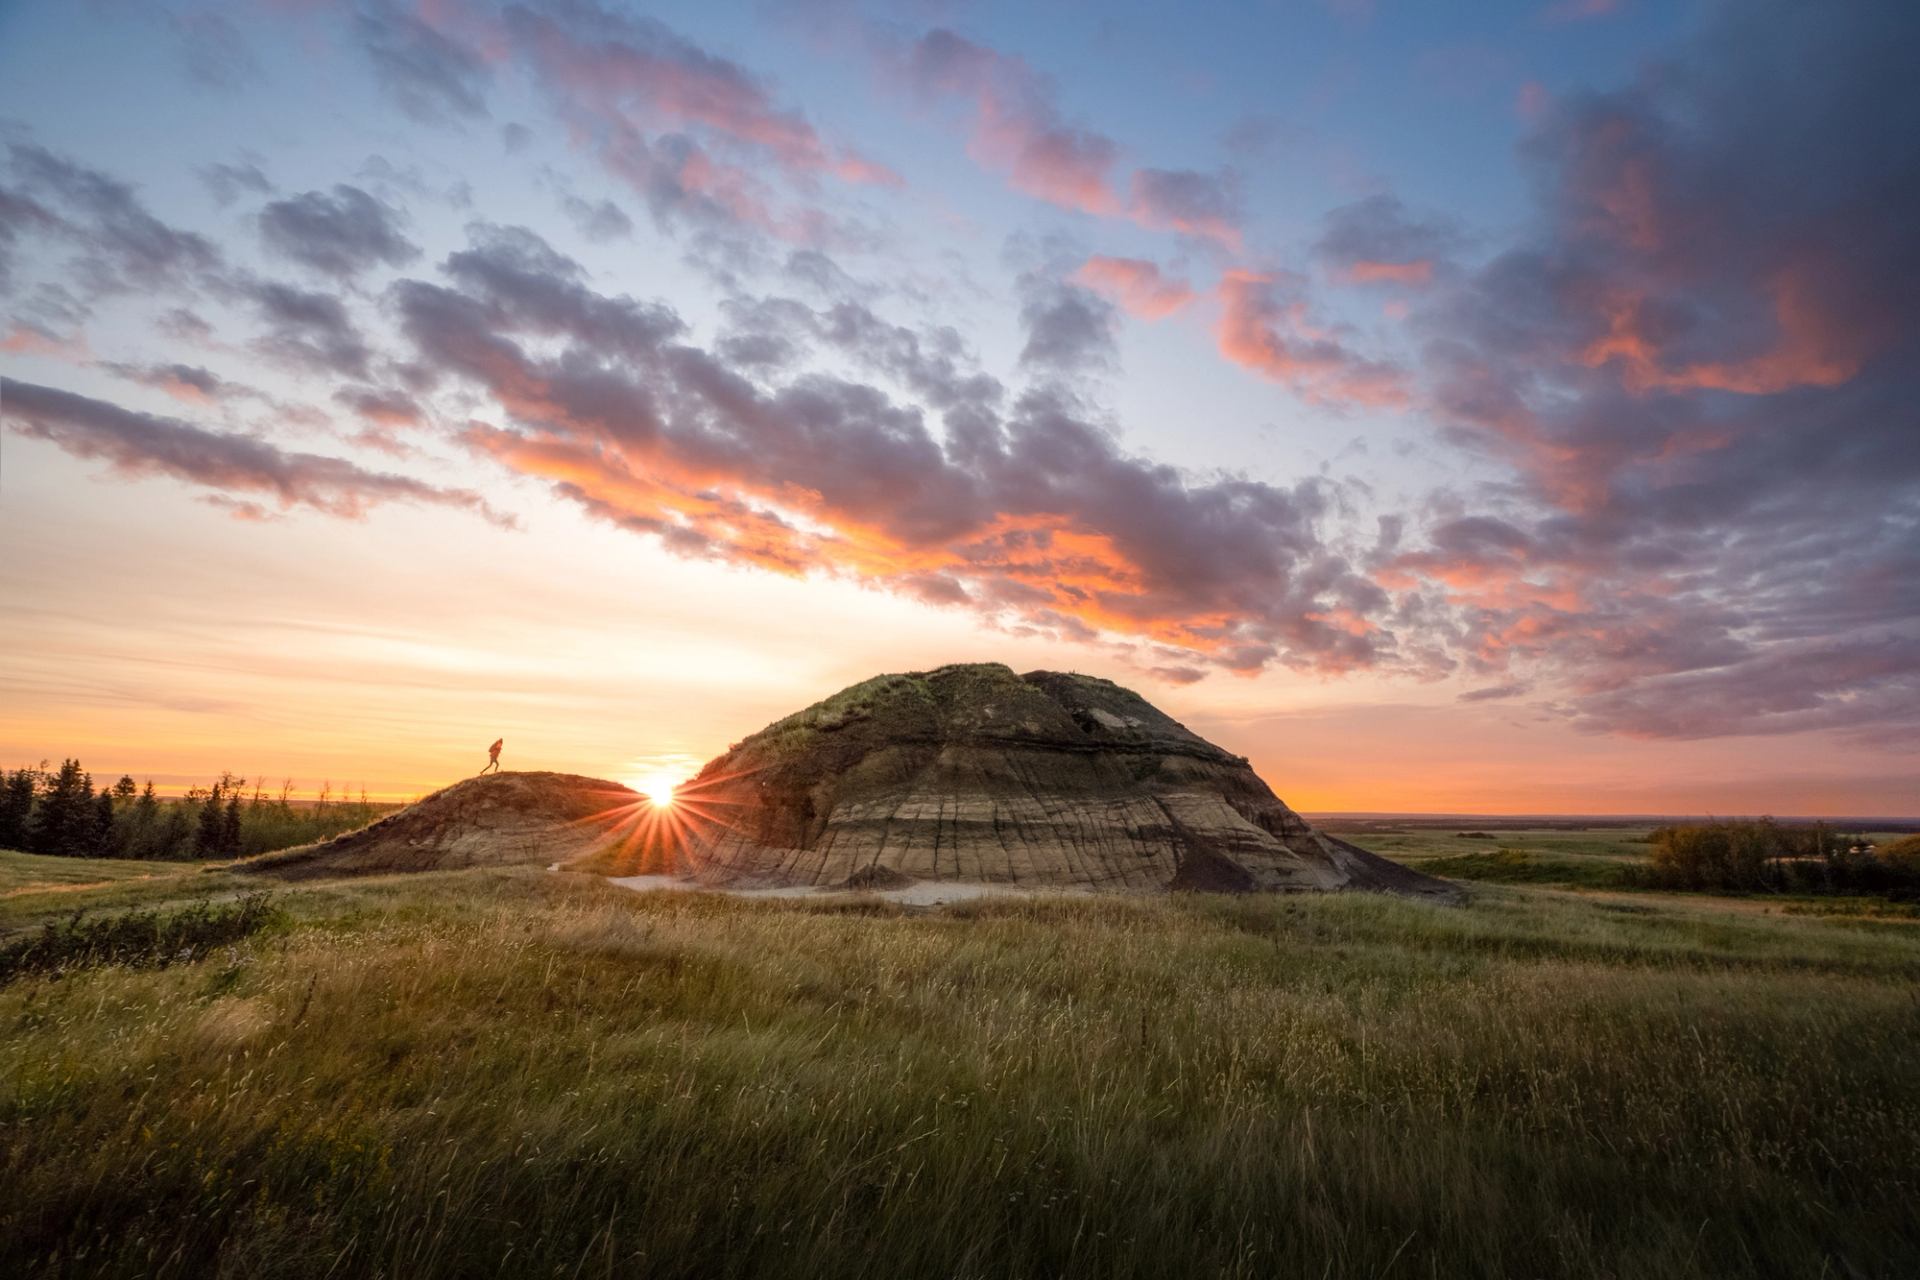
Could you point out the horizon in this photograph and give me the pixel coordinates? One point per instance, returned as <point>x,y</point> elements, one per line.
<point>177,787</point>
<point>1505,413</point>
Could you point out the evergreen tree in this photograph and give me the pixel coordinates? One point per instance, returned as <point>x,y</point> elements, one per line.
<point>230,827</point>
<point>171,836</point>
<point>206,838</point>
<point>103,843</point>
<point>16,807</point>
<point>141,834</point>
<point>124,789</point>
<point>63,821</point>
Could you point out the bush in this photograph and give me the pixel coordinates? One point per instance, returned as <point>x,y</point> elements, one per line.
<point>1903,853</point>
<point>142,939</point>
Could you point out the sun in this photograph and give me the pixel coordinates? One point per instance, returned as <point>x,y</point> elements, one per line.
<point>658,787</point>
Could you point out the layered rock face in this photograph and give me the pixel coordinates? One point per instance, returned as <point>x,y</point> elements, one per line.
<point>976,773</point>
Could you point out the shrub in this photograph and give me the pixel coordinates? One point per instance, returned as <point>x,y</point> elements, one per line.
<point>1902,854</point>
<point>142,939</point>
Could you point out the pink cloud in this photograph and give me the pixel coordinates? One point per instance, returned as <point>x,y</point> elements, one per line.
<point>619,72</point>
<point>1415,273</point>
<point>1264,326</point>
<point>1017,127</point>
<point>1018,130</point>
<point>1136,285</point>
<point>23,339</point>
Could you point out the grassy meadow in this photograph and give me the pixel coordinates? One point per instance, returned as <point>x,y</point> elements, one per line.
<point>520,1073</point>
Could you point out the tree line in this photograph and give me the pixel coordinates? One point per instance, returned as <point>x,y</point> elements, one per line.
<point>60,812</point>
<point>1773,857</point>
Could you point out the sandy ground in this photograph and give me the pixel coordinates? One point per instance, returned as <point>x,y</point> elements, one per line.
<point>927,893</point>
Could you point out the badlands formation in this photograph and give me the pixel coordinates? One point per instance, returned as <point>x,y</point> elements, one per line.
<point>974,773</point>
<point>967,774</point>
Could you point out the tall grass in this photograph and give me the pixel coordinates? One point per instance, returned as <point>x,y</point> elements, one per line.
<point>516,1073</point>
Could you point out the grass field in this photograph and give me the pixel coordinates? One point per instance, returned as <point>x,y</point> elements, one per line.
<point>1591,859</point>
<point>33,888</point>
<point>506,1072</point>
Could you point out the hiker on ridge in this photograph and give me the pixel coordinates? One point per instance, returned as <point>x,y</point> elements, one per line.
<point>493,755</point>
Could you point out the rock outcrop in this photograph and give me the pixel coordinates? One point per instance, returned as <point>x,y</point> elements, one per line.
<point>497,819</point>
<point>976,773</point>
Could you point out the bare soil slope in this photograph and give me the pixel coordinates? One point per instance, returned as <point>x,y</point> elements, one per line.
<point>493,820</point>
<point>975,773</point>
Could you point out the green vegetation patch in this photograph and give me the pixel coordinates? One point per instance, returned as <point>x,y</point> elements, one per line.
<point>142,939</point>
<point>1520,866</point>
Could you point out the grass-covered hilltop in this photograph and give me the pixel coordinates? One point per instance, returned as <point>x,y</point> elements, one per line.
<point>507,1071</point>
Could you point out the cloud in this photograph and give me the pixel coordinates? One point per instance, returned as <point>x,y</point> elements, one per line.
<point>340,235</point>
<point>307,330</point>
<point>1199,204</point>
<point>432,77</point>
<point>226,182</point>
<point>238,469</point>
<point>1377,241</point>
<point>611,73</point>
<point>1022,511</point>
<point>599,221</point>
<point>19,216</point>
<point>188,383</point>
<point>1867,685</point>
<point>384,408</point>
<point>1497,692</point>
<point>122,246</point>
<point>33,339</point>
<point>1018,129</point>
<point>701,138</point>
<point>385,417</point>
<point>1264,326</point>
<point>1700,365</point>
<point>1069,329</point>
<point>215,53</point>
<point>1136,284</point>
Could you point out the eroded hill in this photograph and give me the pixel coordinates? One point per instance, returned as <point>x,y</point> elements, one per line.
<point>975,773</point>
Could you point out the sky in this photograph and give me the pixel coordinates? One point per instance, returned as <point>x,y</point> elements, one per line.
<point>1506,408</point>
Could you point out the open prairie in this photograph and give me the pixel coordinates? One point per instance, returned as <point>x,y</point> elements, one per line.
<point>648,638</point>
<point>446,1073</point>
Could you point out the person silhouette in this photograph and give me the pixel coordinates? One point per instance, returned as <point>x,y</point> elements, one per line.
<point>493,755</point>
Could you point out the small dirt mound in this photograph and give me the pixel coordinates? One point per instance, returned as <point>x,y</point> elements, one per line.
<point>498,819</point>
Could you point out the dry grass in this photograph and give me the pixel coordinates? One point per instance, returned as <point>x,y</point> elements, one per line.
<point>507,1072</point>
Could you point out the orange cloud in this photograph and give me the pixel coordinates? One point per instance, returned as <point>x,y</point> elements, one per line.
<point>1812,348</point>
